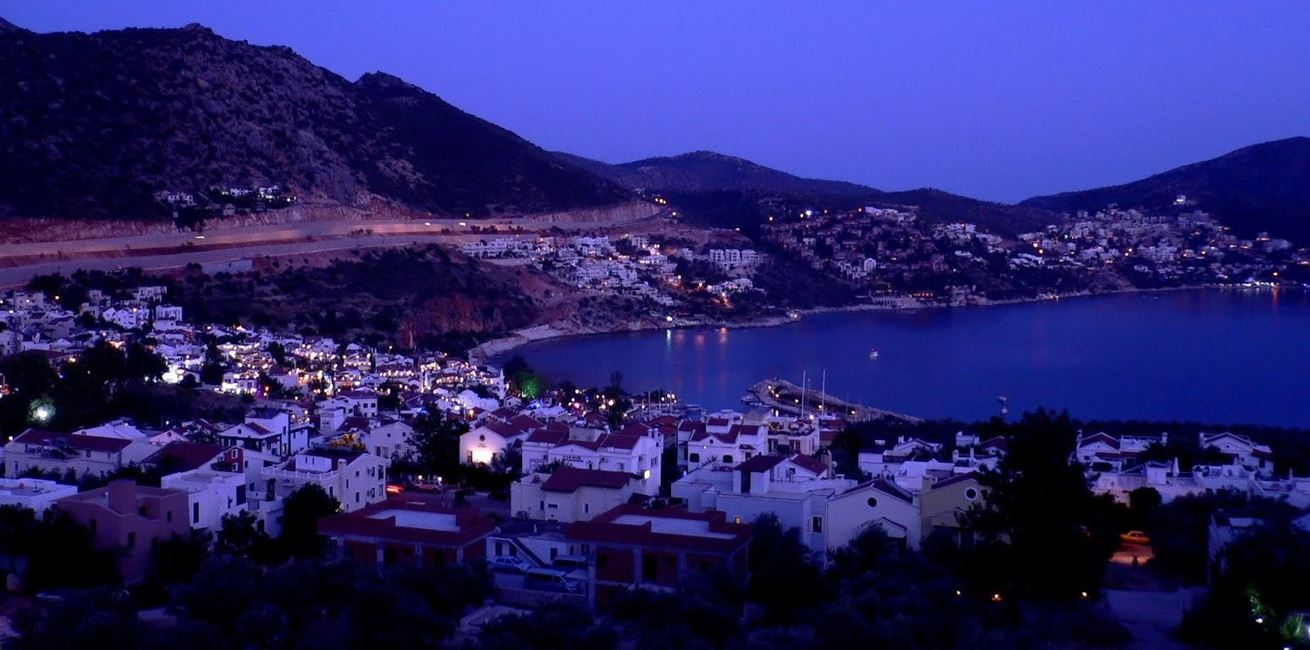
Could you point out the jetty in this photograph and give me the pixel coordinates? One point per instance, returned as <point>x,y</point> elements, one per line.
<point>786,397</point>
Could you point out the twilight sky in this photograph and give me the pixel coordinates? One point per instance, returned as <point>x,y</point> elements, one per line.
<point>995,100</point>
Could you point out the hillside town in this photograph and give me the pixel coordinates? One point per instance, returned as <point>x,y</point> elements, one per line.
<point>636,266</point>
<point>564,493</point>
<point>897,258</point>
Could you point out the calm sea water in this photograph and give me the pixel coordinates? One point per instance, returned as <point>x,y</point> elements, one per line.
<point>1215,356</point>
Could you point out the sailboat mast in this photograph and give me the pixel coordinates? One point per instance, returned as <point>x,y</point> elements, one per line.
<point>804,383</point>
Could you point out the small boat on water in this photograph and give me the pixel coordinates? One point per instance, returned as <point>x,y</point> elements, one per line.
<point>873,353</point>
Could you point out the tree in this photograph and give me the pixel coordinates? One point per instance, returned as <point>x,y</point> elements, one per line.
<point>178,558</point>
<point>1043,534</point>
<point>782,578</point>
<point>143,364</point>
<point>1258,600</point>
<point>91,619</point>
<point>238,537</point>
<point>63,555</point>
<point>556,625</point>
<point>301,511</point>
<point>278,352</point>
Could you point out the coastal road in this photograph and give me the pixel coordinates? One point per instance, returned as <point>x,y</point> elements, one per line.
<point>19,262</point>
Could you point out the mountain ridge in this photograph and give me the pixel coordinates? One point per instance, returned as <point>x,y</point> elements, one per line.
<point>94,124</point>
<point>1259,187</point>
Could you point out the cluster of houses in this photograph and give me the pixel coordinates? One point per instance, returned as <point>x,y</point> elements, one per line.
<point>1116,466</point>
<point>589,493</point>
<point>873,247</point>
<point>631,266</point>
<point>34,321</point>
<point>226,199</point>
<point>207,472</point>
<point>1189,246</point>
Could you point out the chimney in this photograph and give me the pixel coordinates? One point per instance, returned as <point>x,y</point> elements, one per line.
<point>122,496</point>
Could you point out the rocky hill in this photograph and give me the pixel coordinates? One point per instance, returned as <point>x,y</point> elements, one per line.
<point>92,125</point>
<point>1264,187</point>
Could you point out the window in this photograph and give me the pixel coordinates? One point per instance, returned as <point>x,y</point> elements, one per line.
<point>586,508</point>
<point>131,539</point>
<point>873,502</point>
<point>142,510</point>
<point>971,494</point>
<point>195,513</point>
<point>168,516</point>
<point>727,458</point>
<point>648,567</point>
<point>552,506</point>
<point>816,524</point>
<point>695,458</point>
<point>541,505</point>
<point>241,494</point>
<point>500,549</point>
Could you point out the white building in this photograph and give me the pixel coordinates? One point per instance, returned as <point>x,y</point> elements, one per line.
<point>570,494</point>
<point>354,478</point>
<point>635,451</point>
<point>60,453</point>
<point>33,494</point>
<point>795,490</point>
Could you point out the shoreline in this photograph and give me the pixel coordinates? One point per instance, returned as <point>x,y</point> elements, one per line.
<point>489,351</point>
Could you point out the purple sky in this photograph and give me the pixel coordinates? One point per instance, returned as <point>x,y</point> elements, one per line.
<point>998,100</point>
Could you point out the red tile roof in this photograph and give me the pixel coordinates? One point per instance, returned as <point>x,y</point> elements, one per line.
<point>619,441</point>
<point>81,443</point>
<point>548,437</point>
<point>183,456</point>
<point>525,423</point>
<point>568,479</point>
<point>762,463</point>
<point>958,478</point>
<point>810,464</point>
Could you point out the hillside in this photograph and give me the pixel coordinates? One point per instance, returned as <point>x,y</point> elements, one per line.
<point>92,125</point>
<point>1264,187</point>
<point>707,171</point>
<point>721,189</point>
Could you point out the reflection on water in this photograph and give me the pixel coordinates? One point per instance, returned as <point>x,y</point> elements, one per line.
<point>1214,356</point>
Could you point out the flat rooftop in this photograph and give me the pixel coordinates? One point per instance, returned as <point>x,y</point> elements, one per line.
<point>671,526</point>
<point>26,487</point>
<point>443,521</point>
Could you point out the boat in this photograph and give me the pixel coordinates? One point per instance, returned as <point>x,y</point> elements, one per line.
<point>873,353</point>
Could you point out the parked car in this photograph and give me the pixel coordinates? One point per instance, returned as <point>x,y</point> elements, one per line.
<point>1135,537</point>
<point>509,564</point>
<point>551,580</point>
<point>569,562</point>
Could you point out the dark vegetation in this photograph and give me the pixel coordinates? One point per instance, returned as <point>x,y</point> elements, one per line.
<point>97,123</point>
<point>408,297</point>
<point>104,383</point>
